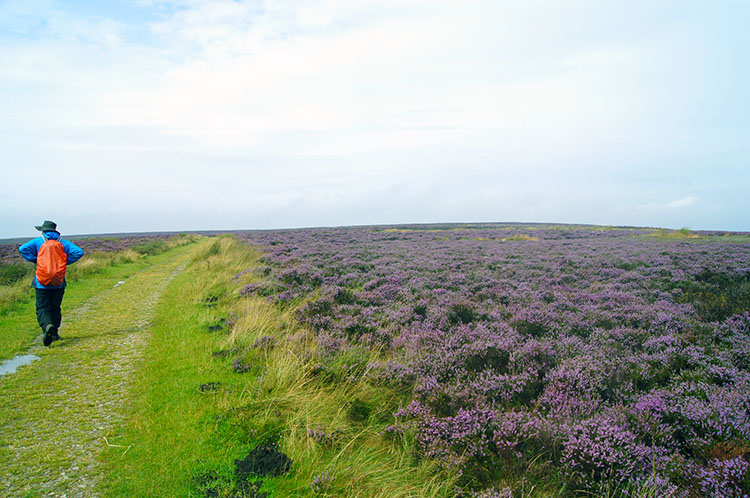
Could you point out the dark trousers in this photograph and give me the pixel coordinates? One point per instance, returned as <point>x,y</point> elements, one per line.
<point>48,303</point>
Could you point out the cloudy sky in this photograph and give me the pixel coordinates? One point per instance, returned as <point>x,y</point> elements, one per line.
<point>141,115</point>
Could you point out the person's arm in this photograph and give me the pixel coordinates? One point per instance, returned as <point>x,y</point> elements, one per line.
<point>73,252</point>
<point>29,250</point>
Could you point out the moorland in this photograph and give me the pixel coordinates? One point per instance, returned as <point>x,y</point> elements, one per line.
<point>474,360</point>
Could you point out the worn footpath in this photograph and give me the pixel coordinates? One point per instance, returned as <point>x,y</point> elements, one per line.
<point>55,412</point>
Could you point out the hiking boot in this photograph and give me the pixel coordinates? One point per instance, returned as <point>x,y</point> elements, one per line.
<point>55,336</point>
<point>49,334</point>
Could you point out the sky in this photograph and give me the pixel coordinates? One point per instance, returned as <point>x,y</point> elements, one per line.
<point>161,115</point>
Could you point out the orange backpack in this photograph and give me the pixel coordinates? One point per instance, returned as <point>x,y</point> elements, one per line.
<point>51,263</point>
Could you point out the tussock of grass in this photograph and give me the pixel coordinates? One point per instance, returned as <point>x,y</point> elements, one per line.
<point>521,236</point>
<point>682,233</point>
<point>12,272</point>
<point>11,296</point>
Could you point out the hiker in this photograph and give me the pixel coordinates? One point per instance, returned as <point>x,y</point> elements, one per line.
<point>52,254</point>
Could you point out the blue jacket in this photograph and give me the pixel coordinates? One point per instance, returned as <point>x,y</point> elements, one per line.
<point>31,248</point>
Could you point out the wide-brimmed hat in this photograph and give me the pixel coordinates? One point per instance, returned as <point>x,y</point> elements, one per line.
<point>47,226</point>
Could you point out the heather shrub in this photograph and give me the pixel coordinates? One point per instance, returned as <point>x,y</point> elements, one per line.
<point>601,361</point>
<point>715,295</point>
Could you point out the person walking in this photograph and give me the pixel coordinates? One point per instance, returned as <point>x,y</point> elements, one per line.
<point>52,254</point>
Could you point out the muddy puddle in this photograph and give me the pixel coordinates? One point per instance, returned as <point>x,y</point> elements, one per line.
<point>10,366</point>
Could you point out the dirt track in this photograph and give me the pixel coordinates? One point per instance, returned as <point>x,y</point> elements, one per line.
<point>56,411</point>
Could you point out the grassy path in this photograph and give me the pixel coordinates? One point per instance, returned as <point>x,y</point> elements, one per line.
<point>55,412</point>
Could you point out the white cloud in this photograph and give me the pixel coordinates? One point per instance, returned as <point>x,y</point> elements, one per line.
<point>675,205</point>
<point>233,74</point>
<point>682,202</point>
<point>345,99</point>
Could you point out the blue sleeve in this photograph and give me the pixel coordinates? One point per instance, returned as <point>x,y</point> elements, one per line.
<point>73,252</point>
<point>29,250</point>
